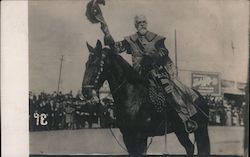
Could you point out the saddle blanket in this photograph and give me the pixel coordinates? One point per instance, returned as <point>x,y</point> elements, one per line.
<point>157,99</point>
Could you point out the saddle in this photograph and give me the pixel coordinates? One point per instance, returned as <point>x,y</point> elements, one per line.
<point>157,89</point>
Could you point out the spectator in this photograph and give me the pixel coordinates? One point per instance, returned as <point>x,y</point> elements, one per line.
<point>51,118</point>
<point>57,116</point>
<point>80,115</point>
<point>69,116</point>
<point>241,113</point>
<point>228,116</point>
<point>235,116</point>
<point>66,111</point>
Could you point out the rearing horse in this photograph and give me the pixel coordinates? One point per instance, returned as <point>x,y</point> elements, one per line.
<point>135,117</point>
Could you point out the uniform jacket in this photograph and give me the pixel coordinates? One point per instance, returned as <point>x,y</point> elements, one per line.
<point>145,50</point>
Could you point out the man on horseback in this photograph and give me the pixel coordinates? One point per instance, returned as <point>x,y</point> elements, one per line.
<point>150,59</point>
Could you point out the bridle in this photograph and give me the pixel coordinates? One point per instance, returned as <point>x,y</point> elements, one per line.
<point>97,78</point>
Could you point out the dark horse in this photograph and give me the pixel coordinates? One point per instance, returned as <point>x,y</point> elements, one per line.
<point>134,113</point>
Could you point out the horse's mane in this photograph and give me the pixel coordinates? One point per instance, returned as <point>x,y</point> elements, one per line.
<point>129,72</point>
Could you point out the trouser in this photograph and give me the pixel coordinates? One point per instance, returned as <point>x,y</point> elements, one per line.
<point>177,94</point>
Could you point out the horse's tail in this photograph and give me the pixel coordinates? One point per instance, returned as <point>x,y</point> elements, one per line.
<point>201,134</point>
<point>203,108</point>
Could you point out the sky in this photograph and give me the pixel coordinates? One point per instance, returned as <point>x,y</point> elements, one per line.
<point>206,33</point>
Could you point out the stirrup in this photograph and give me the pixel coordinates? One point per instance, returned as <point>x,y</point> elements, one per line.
<point>191,130</point>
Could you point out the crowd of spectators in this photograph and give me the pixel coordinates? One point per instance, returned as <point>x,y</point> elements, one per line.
<point>225,112</point>
<point>67,111</point>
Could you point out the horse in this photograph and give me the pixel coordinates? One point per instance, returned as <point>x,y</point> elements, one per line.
<point>135,118</point>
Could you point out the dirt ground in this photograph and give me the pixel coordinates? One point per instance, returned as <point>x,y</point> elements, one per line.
<point>224,141</point>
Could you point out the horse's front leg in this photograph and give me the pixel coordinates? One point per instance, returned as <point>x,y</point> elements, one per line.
<point>136,144</point>
<point>141,143</point>
<point>130,143</point>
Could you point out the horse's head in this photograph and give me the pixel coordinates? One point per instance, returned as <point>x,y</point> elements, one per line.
<point>94,73</point>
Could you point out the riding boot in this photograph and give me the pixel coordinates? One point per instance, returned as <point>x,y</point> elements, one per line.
<point>190,126</point>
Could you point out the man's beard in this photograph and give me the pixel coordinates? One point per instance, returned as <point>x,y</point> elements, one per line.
<point>142,31</point>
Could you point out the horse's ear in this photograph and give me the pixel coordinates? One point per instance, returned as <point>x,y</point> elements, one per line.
<point>99,45</point>
<point>91,49</point>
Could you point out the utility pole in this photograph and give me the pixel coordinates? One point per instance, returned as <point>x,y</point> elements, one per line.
<point>60,72</point>
<point>175,44</point>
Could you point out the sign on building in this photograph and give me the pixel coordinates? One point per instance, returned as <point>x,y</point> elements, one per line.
<point>207,83</point>
<point>227,84</point>
<point>233,87</point>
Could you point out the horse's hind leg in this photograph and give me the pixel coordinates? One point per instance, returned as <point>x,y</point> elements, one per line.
<point>186,143</point>
<point>202,140</point>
